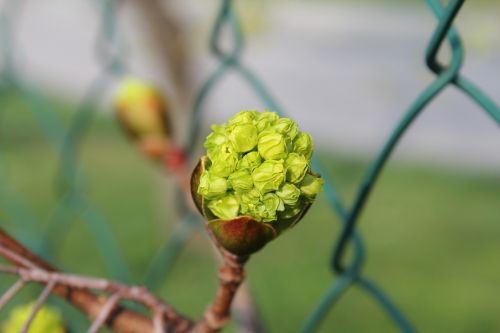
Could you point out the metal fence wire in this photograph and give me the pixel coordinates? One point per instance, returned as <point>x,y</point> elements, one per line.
<point>67,141</point>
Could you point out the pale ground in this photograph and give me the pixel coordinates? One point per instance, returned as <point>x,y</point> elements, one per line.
<point>345,72</point>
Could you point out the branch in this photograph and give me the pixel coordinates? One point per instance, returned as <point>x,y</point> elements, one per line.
<point>77,291</point>
<point>231,275</point>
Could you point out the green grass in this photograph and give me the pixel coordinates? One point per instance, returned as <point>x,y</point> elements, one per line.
<point>432,235</point>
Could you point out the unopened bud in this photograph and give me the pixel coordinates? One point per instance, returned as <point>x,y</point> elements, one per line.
<point>269,176</point>
<point>272,146</point>
<point>296,167</point>
<point>311,186</point>
<point>143,114</point>
<point>255,182</point>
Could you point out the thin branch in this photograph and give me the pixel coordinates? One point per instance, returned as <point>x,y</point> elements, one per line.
<point>16,258</point>
<point>231,275</point>
<point>134,293</point>
<point>98,308</point>
<point>39,302</point>
<point>158,323</point>
<point>11,292</point>
<point>76,290</point>
<point>105,313</point>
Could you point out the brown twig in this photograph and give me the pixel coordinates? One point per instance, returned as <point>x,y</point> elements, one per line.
<point>231,275</point>
<point>105,313</point>
<point>77,291</point>
<point>158,322</point>
<point>105,310</point>
<point>11,292</point>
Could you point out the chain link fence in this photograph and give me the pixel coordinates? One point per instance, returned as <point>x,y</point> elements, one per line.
<point>67,141</point>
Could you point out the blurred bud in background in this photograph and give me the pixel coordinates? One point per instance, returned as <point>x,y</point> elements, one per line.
<point>47,320</point>
<point>143,114</point>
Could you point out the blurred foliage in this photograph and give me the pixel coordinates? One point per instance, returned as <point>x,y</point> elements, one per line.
<point>432,234</point>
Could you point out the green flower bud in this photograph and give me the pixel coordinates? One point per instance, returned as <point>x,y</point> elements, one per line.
<point>249,200</point>
<point>47,320</point>
<point>311,186</point>
<point>244,117</point>
<point>250,161</point>
<point>255,182</point>
<point>303,145</point>
<point>226,207</point>
<point>266,209</point>
<point>215,139</point>
<point>291,211</point>
<point>272,146</point>
<point>241,180</point>
<point>211,186</point>
<point>269,176</point>
<point>272,203</point>
<point>265,120</point>
<point>244,137</point>
<point>142,109</point>
<point>286,127</point>
<point>224,161</point>
<point>289,194</point>
<point>143,114</point>
<point>296,168</point>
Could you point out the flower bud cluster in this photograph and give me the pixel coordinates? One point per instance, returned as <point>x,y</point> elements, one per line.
<point>259,165</point>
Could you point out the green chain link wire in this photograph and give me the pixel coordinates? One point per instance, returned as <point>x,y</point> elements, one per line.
<point>230,61</point>
<point>13,205</point>
<point>446,75</point>
<point>70,179</point>
<point>72,203</point>
<point>350,274</point>
<point>164,260</point>
<point>109,52</point>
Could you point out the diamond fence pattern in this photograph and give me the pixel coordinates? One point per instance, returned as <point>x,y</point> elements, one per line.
<point>67,141</point>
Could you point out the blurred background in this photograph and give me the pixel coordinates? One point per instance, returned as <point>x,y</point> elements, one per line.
<point>346,71</point>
